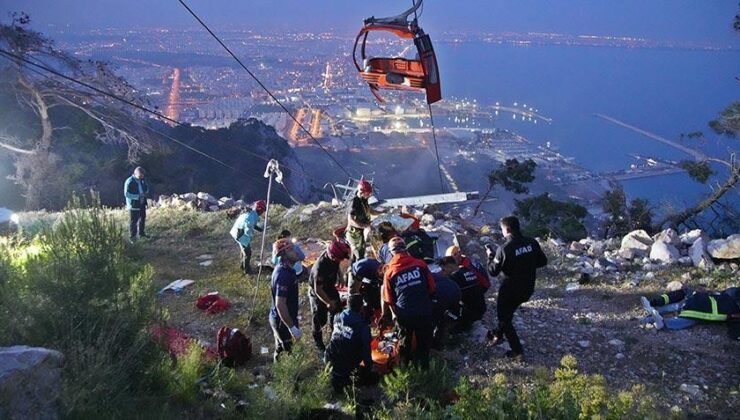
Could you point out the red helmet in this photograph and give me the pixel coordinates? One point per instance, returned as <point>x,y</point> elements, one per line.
<point>365,187</point>
<point>259,206</point>
<point>339,250</point>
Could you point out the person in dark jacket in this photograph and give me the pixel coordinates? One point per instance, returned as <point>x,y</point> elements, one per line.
<point>473,294</point>
<point>322,289</point>
<point>135,189</point>
<point>447,301</point>
<point>358,219</point>
<point>518,260</point>
<point>418,242</point>
<point>407,289</point>
<point>692,307</point>
<point>369,272</point>
<point>349,344</point>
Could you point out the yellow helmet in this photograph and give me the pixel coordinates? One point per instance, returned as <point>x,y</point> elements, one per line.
<point>452,251</point>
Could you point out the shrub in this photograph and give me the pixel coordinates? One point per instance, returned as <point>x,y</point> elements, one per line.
<point>75,290</point>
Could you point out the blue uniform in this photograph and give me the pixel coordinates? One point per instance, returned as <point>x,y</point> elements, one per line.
<point>447,296</point>
<point>285,284</point>
<point>349,344</point>
<point>384,254</point>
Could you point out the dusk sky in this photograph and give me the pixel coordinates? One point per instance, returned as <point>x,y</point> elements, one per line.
<point>696,20</point>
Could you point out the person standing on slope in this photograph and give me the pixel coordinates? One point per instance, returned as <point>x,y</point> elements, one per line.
<point>518,259</point>
<point>358,219</point>
<point>243,231</point>
<point>135,189</point>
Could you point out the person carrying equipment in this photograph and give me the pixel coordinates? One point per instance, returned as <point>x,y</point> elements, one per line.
<point>300,271</point>
<point>518,259</point>
<point>369,272</point>
<point>407,289</point>
<point>693,307</point>
<point>349,345</point>
<point>446,301</point>
<point>243,231</point>
<point>473,295</point>
<point>135,189</point>
<point>322,291</point>
<point>358,219</point>
<point>284,291</point>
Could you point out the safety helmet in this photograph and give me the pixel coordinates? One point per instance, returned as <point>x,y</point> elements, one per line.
<point>365,187</point>
<point>259,206</point>
<point>281,245</point>
<point>452,251</point>
<point>396,244</point>
<point>339,250</point>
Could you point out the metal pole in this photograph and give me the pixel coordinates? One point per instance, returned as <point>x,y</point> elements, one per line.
<point>264,228</point>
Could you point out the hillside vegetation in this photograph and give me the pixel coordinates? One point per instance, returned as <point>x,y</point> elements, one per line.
<point>71,283</point>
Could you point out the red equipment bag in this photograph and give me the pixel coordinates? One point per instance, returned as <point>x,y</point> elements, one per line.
<point>212,303</point>
<point>234,348</point>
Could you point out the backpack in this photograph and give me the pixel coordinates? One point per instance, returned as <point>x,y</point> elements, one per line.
<point>233,347</point>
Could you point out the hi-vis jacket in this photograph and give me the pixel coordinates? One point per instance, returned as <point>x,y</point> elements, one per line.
<point>712,306</point>
<point>135,190</point>
<point>244,227</point>
<point>518,258</point>
<point>408,285</point>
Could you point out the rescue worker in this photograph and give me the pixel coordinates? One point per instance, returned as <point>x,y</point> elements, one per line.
<point>518,259</point>
<point>300,271</point>
<point>369,273</point>
<point>418,242</point>
<point>284,291</point>
<point>692,307</point>
<point>322,291</point>
<point>473,292</point>
<point>349,345</point>
<point>387,231</point>
<point>358,219</point>
<point>243,231</point>
<point>473,265</point>
<point>446,301</point>
<point>135,189</point>
<point>408,286</point>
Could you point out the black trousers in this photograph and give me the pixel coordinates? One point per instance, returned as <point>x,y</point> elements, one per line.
<point>507,303</point>
<point>283,338</point>
<point>137,222</point>
<point>320,316</point>
<point>669,297</point>
<point>420,327</point>
<point>246,258</point>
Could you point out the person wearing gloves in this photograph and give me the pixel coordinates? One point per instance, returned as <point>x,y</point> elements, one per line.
<point>243,231</point>
<point>284,310</point>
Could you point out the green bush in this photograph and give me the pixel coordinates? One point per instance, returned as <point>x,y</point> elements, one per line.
<point>75,290</point>
<point>410,382</point>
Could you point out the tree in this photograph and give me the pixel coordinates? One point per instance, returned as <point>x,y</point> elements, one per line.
<point>512,175</point>
<point>37,160</point>
<point>543,216</point>
<point>641,215</point>
<point>614,204</point>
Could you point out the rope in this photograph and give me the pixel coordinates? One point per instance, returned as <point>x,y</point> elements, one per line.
<point>436,150</point>
<point>262,85</point>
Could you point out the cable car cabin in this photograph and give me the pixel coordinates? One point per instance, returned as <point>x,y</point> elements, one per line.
<point>418,75</point>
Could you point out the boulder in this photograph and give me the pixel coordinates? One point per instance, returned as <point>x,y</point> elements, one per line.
<point>240,203</point>
<point>208,198</point>
<point>725,249</point>
<point>638,241</point>
<point>428,220</point>
<point>226,202</point>
<point>597,249</point>
<point>699,256</point>
<point>688,238</point>
<point>213,208</point>
<point>577,247</point>
<point>668,236</point>
<point>30,380</point>
<point>189,197</point>
<point>664,252</point>
<point>674,286</point>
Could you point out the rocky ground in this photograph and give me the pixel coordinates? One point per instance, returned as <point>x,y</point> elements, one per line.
<point>695,371</point>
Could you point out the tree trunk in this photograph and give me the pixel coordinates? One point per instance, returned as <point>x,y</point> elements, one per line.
<point>677,219</point>
<point>485,196</point>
